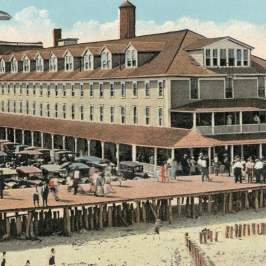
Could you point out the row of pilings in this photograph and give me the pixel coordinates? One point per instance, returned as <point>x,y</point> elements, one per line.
<point>35,222</point>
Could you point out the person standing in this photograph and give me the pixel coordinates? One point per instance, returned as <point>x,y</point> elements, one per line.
<point>204,169</point>
<point>76,181</point>
<point>193,165</point>
<point>53,184</point>
<point>238,167</point>
<point>27,263</point>
<point>51,261</point>
<point>36,197</point>
<point>3,259</point>
<point>173,169</point>
<point>162,174</point>
<point>45,193</point>
<point>227,165</point>
<point>216,164</point>
<point>249,169</point>
<point>258,168</point>
<point>185,165</point>
<point>99,186</point>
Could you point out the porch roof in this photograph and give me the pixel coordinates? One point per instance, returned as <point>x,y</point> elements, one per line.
<point>118,134</point>
<point>241,139</point>
<point>224,105</point>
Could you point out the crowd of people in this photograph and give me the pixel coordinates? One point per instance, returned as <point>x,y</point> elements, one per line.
<point>250,169</point>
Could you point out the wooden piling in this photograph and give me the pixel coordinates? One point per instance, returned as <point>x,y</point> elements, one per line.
<point>261,200</point>
<point>256,200</point>
<point>246,200</point>
<point>110,216</point>
<point>179,207</point>
<point>28,225</point>
<point>170,211</point>
<point>209,204</point>
<point>18,225</point>
<point>67,222</point>
<point>230,202</point>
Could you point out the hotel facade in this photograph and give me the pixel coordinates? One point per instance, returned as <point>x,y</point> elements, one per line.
<point>140,98</point>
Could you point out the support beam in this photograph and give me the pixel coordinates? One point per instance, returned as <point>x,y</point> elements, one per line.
<point>232,153</point>
<point>155,160</point>
<point>242,151</point>
<point>52,141</point>
<point>172,154</point>
<point>42,140</point>
<point>76,145</point>
<point>260,151</point>
<point>64,142</point>
<point>32,138</point>
<point>89,147</point>
<point>241,121</point>
<point>194,120</point>
<point>134,153</point>
<point>102,146</point>
<point>213,124</point>
<point>117,155</point>
<point>14,132</point>
<point>23,136</point>
<point>6,133</point>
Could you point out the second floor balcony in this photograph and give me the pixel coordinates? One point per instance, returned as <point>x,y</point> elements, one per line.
<point>234,119</point>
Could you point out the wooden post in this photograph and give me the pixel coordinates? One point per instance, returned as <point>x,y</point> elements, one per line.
<point>110,216</point>
<point>193,207</point>
<point>18,225</point>
<point>209,204</point>
<point>29,218</point>
<point>246,200</point>
<point>256,200</point>
<point>179,207</point>
<point>137,212</point>
<point>230,203</point>
<point>91,218</point>
<point>200,206</point>
<point>261,199</point>
<point>170,212</point>
<point>85,218</point>
<point>224,203</point>
<point>144,215</point>
<point>101,217</point>
<point>67,223</point>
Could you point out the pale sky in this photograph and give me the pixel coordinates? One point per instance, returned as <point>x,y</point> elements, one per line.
<point>90,20</point>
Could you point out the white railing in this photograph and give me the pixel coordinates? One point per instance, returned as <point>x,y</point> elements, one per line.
<point>254,128</point>
<point>226,129</point>
<point>205,130</point>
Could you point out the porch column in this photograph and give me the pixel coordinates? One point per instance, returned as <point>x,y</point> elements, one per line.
<point>14,132</point>
<point>117,155</point>
<point>76,145</point>
<point>102,145</point>
<point>23,136</point>
<point>172,154</point>
<point>213,123</point>
<point>52,140</point>
<point>134,153</point>
<point>64,142</point>
<point>32,138</point>
<point>241,121</point>
<point>232,153</point>
<point>6,133</point>
<point>155,160</point>
<point>191,152</point>
<point>89,147</point>
<point>194,120</point>
<point>260,151</point>
<point>42,140</point>
<point>242,151</point>
<point>210,155</point>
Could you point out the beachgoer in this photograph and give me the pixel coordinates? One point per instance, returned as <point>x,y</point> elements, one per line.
<point>237,168</point>
<point>51,261</point>
<point>53,184</point>
<point>258,169</point>
<point>27,263</point>
<point>249,169</point>
<point>3,259</point>
<point>185,165</point>
<point>193,165</point>
<point>99,186</point>
<point>227,165</point>
<point>36,197</point>
<point>69,183</point>
<point>162,174</point>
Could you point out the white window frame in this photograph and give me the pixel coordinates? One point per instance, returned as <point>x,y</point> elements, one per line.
<point>2,66</point>
<point>53,63</point>
<point>88,61</point>
<point>39,64</point>
<point>106,59</point>
<point>69,62</point>
<point>131,57</point>
<point>147,114</point>
<point>14,65</point>
<point>26,64</point>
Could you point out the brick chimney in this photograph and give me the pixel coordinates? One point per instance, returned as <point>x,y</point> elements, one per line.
<point>127,20</point>
<point>57,35</point>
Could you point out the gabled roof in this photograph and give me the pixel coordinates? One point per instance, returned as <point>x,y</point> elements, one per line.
<point>147,46</point>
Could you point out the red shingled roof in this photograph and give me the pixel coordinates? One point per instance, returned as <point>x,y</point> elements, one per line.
<point>123,134</point>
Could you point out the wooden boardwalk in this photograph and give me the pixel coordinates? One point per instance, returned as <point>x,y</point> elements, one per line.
<point>21,199</point>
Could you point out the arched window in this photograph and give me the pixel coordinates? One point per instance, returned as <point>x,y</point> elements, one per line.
<point>106,59</point>
<point>53,63</point>
<point>131,57</point>
<point>88,61</point>
<point>69,62</point>
<point>14,65</point>
<point>2,66</point>
<point>26,64</point>
<point>39,64</point>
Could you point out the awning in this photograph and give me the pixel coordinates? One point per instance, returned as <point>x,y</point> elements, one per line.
<point>28,170</point>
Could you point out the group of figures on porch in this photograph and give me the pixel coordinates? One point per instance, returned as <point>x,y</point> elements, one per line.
<point>250,169</point>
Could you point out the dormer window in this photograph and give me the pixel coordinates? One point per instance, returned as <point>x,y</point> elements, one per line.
<point>106,59</point>
<point>53,63</point>
<point>131,58</point>
<point>2,66</point>
<point>26,64</point>
<point>39,64</point>
<point>88,61</point>
<point>14,65</point>
<point>69,62</point>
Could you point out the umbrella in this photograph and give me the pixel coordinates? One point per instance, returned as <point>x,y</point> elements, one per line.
<point>78,166</point>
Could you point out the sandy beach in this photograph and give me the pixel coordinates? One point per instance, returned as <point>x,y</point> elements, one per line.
<point>138,245</point>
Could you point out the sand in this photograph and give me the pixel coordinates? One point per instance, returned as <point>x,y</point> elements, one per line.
<point>138,245</point>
